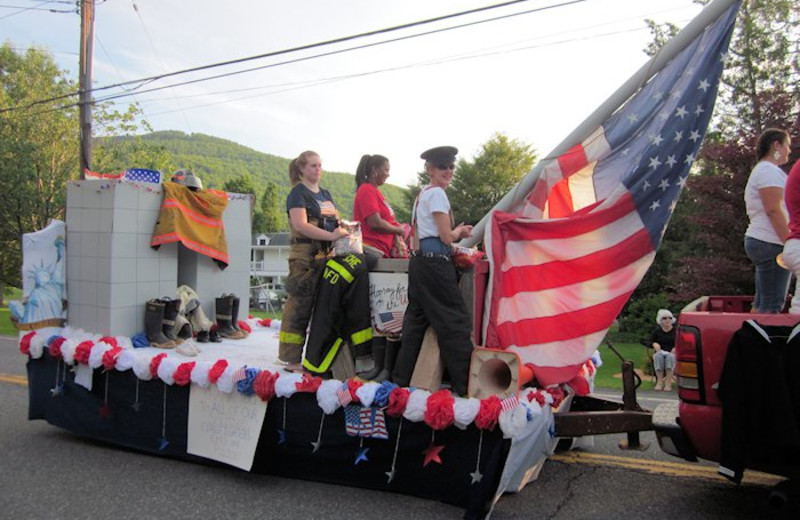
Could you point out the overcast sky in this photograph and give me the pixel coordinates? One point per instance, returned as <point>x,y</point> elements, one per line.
<point>534,76</point>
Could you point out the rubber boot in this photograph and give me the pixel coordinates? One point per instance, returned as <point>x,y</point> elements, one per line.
<point>235,315</point>
<point>659,381</point>
<point>214,337</point>
<point>378,356</point>
<point>392,346</point>
<point>668,381</point>
<point>203,336</point>
<point>154,315</point>
<point>171,310</point>
<point>224,314</point>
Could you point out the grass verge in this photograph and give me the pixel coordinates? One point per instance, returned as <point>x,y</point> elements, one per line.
<point>608,375</point>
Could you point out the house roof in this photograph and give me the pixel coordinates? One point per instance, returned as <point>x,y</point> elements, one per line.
<point>275,239</point>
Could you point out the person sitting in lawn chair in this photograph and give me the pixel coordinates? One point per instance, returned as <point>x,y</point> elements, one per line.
<point>662,340</point>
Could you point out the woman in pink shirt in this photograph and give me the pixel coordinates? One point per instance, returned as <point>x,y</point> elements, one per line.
<point>379,227</point>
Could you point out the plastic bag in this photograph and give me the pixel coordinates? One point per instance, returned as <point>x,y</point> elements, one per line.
<point>350,244</point>
<point>466,257</point>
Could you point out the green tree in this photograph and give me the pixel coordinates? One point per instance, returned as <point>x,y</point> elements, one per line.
<point>38,150</point>
<point>479,184</point>
<point>274,218</point>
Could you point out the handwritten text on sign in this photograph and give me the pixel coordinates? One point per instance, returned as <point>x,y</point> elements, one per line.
<point>388,298</point>
<point>224,427</point>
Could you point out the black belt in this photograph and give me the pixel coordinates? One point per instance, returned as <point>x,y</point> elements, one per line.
<point>443,256</point>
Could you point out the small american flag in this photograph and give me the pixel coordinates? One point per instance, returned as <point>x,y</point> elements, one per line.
<point>509,403</point>
<point>142,175</point>
<point>240,374</point>
<point>344,395</point>
<point>365,422</point>
<point>391,322</point>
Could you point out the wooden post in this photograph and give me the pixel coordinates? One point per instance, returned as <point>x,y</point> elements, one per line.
<point>85,85</point>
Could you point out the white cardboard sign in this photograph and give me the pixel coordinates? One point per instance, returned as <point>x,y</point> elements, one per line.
<point>224,427</point>
<point>388,299</point>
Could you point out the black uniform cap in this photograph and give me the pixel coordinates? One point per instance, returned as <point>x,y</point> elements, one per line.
<point>440,154</point>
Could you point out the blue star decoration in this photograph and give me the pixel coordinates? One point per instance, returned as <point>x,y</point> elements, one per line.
<point>162,443</point>
<point>361,454</point>
<point>476,476</point>
<point>281,437</point>
<point>432,454</point>
<point>551,430</point>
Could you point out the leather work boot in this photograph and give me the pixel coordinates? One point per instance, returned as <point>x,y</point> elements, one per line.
<point>153,325</point>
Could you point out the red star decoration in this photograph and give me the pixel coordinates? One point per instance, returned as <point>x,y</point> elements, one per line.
<point>105,411</point>
<point>432,454</point>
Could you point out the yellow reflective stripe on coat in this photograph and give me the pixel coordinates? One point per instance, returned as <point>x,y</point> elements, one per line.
<point>292,337</point>
<point>361,336</point>
<point>342,270</point>
<point>326,362</point>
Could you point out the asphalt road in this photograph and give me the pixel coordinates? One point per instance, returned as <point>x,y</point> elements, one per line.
<point>46,472</point>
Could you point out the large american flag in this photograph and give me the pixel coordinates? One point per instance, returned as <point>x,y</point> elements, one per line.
<point>568,257</point>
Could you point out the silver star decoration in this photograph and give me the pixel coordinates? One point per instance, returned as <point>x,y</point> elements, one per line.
<point>316,446</point>
<point>476,476</point>
<point>136,406</point>
<point>390,476</point>
<point>57,390</point>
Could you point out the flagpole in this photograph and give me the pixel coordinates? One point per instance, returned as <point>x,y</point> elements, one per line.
<point>687,35</point>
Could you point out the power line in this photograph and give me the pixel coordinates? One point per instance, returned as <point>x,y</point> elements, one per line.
<point>151,79</point>
<point>306,58</point>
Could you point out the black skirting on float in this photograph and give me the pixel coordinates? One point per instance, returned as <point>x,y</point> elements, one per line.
<point>108,414</point>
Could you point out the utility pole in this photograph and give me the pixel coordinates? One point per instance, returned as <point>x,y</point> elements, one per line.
<point>85,84</point>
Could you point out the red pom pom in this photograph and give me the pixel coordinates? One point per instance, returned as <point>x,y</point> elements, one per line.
<point>579,384</point>
<point>398,400</point>
<point>25,343</point>
<point>245,326</point>
<point>82,352</point>
<point>110,357</point>
<point>264,384</point>
<point>217,370</point>
<point>183,374</point>
<point>309,383</point>
<point>439,413</point>
<point>110,340</point>
<point>266,322</point>
<point>154,363</point>
<point>488,413</point>
<point>55,347</point>
<point>352,386</point>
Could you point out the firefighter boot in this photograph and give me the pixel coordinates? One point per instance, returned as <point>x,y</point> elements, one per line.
<point>235,315</point>
<point>224,313</point>
<point>668,381</point>
<point>392,346</point>
<point>659,381</point>
<point>154,314</point>
<point>171,310</point>
<point>378,356</point>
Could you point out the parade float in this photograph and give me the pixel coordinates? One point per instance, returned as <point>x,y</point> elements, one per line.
<point>565,250</point>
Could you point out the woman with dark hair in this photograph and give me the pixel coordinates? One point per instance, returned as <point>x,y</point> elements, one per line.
<point>379,227</point>
<point>383,237</point>
<point>768,229</point>
<point>313,220</point>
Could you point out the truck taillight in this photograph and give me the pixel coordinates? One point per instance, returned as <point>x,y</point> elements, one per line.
<point>687,355</point>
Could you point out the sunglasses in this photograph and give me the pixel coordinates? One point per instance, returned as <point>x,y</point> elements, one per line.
<point>444,167</point>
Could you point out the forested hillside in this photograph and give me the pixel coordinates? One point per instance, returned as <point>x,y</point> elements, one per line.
<point>217,160</point>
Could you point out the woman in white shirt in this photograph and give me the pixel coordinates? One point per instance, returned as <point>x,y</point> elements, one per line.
<point>434,297</point>
<point>768,229</point>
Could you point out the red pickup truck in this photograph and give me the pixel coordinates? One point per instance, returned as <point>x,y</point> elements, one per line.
<point>691,428</point>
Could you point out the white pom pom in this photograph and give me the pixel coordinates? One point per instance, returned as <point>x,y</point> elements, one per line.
<point>465,411</point>
<point>326,396</point>
<point>225,381</point>
<point>166,370</point>
<point>200,374</point>
<point>141,367</point>
<point>286,385</point>
<point>366,392</point>
<point>417,403</point>
<point>96,354</point>
<point>513,422</point>
<point>37,346</point>
<point>126,360</point>
<point>68,351</point>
